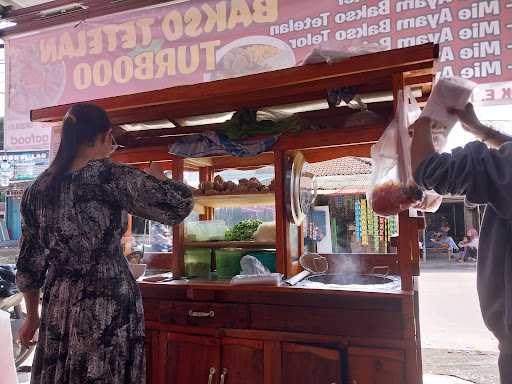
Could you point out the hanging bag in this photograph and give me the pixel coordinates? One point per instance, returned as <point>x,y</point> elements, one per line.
<point>392,187</point>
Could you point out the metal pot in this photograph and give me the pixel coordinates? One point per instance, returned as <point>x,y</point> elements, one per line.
<point>372,278</point>
<point>352,279</point>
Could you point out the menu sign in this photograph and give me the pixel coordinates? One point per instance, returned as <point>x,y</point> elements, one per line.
<point>197,41</point>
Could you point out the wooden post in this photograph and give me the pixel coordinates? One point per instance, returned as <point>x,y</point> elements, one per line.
<point>206,174</point>
<point>301,239</point>
<point>412,350</point>
<point>418,328</point>
<point>407,246</point>
<point>283,258</point>
<point>178,231</point>
<point>405,250</point>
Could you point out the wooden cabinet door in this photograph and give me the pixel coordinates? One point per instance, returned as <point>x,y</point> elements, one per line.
<point>190,359</point>
<point>370,366</point>
<point>148,350</point>
<point>304,364</point>
<point>242,361</point>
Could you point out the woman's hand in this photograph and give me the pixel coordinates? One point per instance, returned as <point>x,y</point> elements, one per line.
<point>155,170</point>
<point>28,331</point>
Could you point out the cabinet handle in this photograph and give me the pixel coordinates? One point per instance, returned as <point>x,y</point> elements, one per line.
<point>191,313</point>
<point>212,373</point>
<point>223,376</point>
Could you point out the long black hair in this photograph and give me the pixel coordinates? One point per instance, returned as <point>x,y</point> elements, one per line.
<point>82,125</point>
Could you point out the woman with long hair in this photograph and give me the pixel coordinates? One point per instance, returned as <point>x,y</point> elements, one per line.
<point>91,329</point>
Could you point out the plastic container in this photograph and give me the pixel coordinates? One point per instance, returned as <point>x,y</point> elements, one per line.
<point>228,262</point>
<point>198,262</point>
<point>267,258</point>
<point>205,230</point>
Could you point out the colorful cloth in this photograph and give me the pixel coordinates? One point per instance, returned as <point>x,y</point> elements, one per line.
<point>212,143</point>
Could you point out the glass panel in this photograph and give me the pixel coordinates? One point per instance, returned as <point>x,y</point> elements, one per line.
<point>265,175</point>
<point>150,235</point>
<point>191,178</point>
<point>294,242</point>
<point>232,216</point>
<point>342,220</point>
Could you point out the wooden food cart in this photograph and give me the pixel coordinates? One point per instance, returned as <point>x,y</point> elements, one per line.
<point>213,332</point>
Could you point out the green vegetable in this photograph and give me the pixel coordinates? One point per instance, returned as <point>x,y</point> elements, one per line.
<point>244,230</point>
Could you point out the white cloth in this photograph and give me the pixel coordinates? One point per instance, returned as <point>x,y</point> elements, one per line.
<point>7,367</point>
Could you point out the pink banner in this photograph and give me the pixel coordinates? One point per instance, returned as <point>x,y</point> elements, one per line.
<point>197,41</point>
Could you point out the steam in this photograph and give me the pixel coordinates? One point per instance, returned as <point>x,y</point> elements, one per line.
<point>342,265</point>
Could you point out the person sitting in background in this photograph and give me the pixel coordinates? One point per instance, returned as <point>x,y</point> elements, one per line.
<point>442,240</point>
<point>445,228</point>
<point>469,246</point>
<point>484,176</point>
<point>432,240</point>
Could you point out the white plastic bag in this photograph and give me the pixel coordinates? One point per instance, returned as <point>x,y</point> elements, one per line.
<point>431,200</point>
<point>7,368</point>
<point>449,93</point>
<point>252,266</point>
<point>392,187</point>
<point>329,53</point>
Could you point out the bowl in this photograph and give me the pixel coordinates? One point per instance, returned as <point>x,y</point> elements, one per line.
<point>137,270</point>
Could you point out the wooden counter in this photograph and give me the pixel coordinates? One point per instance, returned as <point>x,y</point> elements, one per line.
<point>277,334</point>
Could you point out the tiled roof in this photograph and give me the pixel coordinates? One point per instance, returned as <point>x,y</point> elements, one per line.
<point>344,166</point>
<point>347,184</point>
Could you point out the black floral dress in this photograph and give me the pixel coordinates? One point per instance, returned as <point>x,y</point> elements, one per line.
<point>92,325</point>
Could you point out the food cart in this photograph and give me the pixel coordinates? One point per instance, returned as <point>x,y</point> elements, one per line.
<point>209,331</point>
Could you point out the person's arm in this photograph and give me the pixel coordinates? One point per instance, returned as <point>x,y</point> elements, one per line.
<point>471,123</point>
<point>148,195</point>
<point>484,175</point>
<point>30,268</point>
<point>31,323</point>
<point>422,145</point>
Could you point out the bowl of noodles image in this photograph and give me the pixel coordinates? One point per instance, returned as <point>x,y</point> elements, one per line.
<point>250,55</point>
<point>32,84</point>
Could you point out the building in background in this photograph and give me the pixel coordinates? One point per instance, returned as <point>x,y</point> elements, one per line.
<point>17,171</point>
<point>342,186</point>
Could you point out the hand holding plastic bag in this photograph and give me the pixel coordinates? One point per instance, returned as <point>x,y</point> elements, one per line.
<point>392,188</point>
<point>447,94</point>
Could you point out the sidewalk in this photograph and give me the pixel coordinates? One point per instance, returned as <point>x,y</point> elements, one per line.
<point>455,341</point>
<point>466,366</point>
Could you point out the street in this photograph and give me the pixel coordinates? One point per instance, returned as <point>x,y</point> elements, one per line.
<point>455,340</point>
